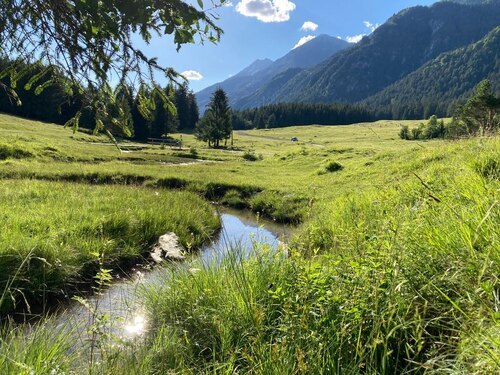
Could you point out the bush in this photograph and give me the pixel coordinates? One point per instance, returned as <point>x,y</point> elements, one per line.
<point>433,129</point>
<point>404,133</point>
<point>250,156</point>
<point>330,167</point>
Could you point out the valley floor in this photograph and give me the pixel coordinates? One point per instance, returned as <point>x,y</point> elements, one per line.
<point>394,267</point>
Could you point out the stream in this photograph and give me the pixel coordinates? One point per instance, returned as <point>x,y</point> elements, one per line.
<point>119,307</point>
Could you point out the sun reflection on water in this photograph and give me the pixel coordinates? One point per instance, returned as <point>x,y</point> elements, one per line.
<point>136,326</point>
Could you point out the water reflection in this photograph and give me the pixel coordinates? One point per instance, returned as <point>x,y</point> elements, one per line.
<point>119,310</point>
<point>136,326</point>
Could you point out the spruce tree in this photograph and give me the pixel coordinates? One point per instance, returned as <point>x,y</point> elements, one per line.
<point>216,125</point>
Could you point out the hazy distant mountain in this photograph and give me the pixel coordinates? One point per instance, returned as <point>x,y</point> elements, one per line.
<point>400,46</point>
<point>434,87</point>
<point>252,78</point>
<point>471,2</point>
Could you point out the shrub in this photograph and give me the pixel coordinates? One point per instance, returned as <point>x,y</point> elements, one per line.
<point>250,156</point>
<point>404,133</point>
<point>330,167</point>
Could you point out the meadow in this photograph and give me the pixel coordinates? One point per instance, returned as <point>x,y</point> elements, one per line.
<point>394,267</point>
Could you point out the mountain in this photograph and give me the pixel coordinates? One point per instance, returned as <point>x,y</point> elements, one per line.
<point>404,43</point>
<point>434,87</point>
<point>254,68</point>
<point>253,77</point>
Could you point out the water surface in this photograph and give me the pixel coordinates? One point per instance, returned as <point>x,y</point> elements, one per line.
<point>119,310</point>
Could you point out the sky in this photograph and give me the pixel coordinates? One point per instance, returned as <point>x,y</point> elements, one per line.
<point>257,29</point>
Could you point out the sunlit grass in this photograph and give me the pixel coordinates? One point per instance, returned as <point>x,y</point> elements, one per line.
<point>394,270</point>
<point>59,230</point>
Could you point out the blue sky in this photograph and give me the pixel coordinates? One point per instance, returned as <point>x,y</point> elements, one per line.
<point>256,29</point>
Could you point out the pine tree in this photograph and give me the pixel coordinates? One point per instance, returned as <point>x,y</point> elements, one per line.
<point>216,124</point>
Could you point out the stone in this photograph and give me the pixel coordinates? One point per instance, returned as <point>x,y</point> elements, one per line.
<point>168,247</point>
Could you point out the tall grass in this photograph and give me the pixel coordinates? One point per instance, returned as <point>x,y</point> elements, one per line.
<point>34,350</point>
<point>401,281</point>
<point>57,232</point>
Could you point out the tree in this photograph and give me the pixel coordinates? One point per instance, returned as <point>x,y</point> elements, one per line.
<point>90,41</point>
<point>404,133</point>
<point>216,124</point>
<point>481,112</point>
<point>164,119</point>
<point>194,114</point>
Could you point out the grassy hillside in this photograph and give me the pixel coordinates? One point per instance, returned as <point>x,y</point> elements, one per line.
<point>393,270</point>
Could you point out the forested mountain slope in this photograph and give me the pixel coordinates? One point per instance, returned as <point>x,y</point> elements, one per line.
<point>400,46</point>
<point>435,87</point>
<point>252,78</point>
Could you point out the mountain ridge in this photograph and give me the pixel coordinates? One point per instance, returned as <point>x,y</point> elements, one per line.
<point>251,78</point>
<point>401,45</point>
<point>438,84</point>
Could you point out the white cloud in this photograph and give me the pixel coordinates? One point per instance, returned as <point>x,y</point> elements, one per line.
<point>309,26</point>
<point>371,26</point>
<point>227,3</point>
<point>192,75</point>
<point>266,10</point>
<point>304,40</point>
<point>355,38</point>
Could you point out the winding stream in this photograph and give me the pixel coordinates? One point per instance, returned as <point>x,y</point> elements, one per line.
<point>119,307</point>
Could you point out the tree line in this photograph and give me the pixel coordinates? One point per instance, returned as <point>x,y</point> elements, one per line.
<point>294,114</point>
<point>53,99</point>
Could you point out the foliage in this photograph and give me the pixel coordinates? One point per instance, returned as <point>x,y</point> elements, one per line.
<point>216,124</point>
<point>126,114</point>
<point>89,42</point>
<point>479,116</point>
<point>292,114</point>
<point>481,113</point>
<point>52,104</point>
<point>433,129</point>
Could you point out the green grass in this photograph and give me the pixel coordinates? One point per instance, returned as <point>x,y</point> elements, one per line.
<point>399,281</point>
<point>395,268</point>
<point>53,233</point>
<point>372,157</point>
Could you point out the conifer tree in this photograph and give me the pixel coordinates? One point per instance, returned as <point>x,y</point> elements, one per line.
<point>216,125</point>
